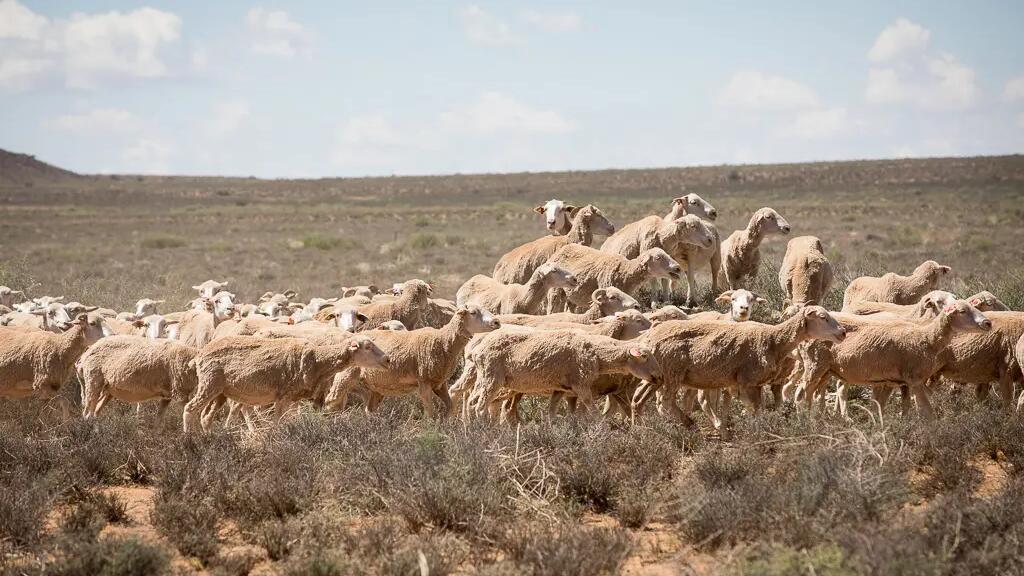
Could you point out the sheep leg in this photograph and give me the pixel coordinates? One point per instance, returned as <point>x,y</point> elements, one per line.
<point>691,288</point>
<point>459,391</point>
<point>776,396</point>
<point>709,401</point>
<point>280,408</point>
<point>210,387</point>
<point>510,412</point>
<point>924,404</point>
<point>842,396</point>
<point>446,401</point>
<point>716,265</point>
<point>753,395</point>
<point>250,418</point>
<point>571,404</point>
<point>726,430</point>
<point>640,396</point>
<point>881,394</point>
<point>373,401</point>
<point>1006,389</point>
<point>981,392</point>
<point>161,409</point>
<point>554,402</point>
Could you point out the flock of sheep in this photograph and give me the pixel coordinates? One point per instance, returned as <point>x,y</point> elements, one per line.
<point>556,318</point>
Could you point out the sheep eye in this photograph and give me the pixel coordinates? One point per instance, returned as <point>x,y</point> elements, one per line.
<point>693,201</point>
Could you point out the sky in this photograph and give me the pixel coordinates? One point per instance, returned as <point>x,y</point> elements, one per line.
<point>337,88</point>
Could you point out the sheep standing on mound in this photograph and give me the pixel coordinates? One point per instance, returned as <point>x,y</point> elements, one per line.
<point>136,369</point>
<point>528,298</point>
<point>518,264</point>
<point>556,216</point>
<point>741,251</point>
<point>894,288</point>
<point>254,371</point>
<point>422,361</point>
<point>38,362</point>
<point>692,257</point>
<point>407,308</point>
<point>805,274</point>
<point>710,355</point>
<point>595,269</point>
<point>604,302</point>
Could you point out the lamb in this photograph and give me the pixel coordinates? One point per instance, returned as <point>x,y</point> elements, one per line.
<point>528,298</point>
<point>714,355</point>
<point>7,296</point>
<point>518,264</point>
<point>254,371</point>
<point>741,306</point>
<point>805,274</point>
<point>595,269</point>
<point>556,216</point>
<point>899,352</point>
<point>421,360</point>
<point>407,308</point>
<point>894,288</point>
<point>38,363</point>
<point>135,369</point>
<point>547,362</point>
<point>987,302</point>
<point>198,327</point>
<point>209,288</point>
<point>741,251</point>
<point>604,302</point>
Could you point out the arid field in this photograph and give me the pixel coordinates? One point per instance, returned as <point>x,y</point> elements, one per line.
<point>396,493</point>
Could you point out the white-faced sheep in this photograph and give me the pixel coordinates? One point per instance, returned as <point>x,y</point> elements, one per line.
<point>209,288</point>
<point>135,369</point>
<point>603,302</point>
<point>741,306</point>
<point>528,298</point>
<point>741,251</point>
<point>197,328</point>
<point>806,274</point>
<point>518,264</point>
<point>894,288</point>
<point>987,302</point>
<point>595,269</point>
<point>407,308</point>
<point>422,361</point>
<point>556,216</point>
<point>930,305</point>
<point>255,371</point>
<point>38,362</point>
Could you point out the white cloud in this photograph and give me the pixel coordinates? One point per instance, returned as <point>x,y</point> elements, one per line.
<point>482,28</point>
<point>275,33</point>
<point>899,40</point>
<point>553,21</point>
<point>753,90</point>
<point>147,156</point>
<point>1014,89</point>
<point>1020,120</point>
<point>497,113</point>
<point>199,58</point>
<point>915,74</point>
<point>228,117</point>
<point>87,48</point>
<point>819,124</point>
<point>18,22</point>
<point>96,121</point>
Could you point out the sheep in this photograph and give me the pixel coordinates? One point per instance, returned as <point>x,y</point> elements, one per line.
<point>421,360</point>
<point>209,288</point>
<point>894,288</point>
<point>604,302</point>
<point>625,325</point>
<point>546,362</point>
<point>518,264</point>
<point>52,317</point>
<point>44,301</point>
<point>343,316</point>
<point>689,256</point>
<point>528,298</point>
<point>135,369</point>
<point>556,216</point>
<point>900,352</point>
<point>309,311</point>
<point>197,328</point>
<point>255,371</point>
<point>7,296</point>
<point>714,355</point>
<point>277,305</point>
<point>595,269</point>
<point>741,306</point>
<point>930,305</point>
<point>987,302</point>
<point>666,313</point>
<point>153,326</point>
<point>806,274</point>
<point>393,325</point>
<point>407,308</point>
<point>367,291</point>
<point>438,312</point>
<point>741,251</point>
<point>143,308</point>
<point>38,362</point>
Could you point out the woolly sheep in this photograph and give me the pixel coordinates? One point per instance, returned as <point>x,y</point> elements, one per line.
<point>666,313</point>
<point>197,328</point>
<point>741,251</point>
<point>741,306</point>
<point>595,269</point>
<point>604,302</point>
<point>894,288</point>
<point>528,298</point>
<point>209,288</point>
<point>407,308</point>
<point>806,274</point>
<point>987,302</point>
<point>556,216</point>
<point>691,257</point>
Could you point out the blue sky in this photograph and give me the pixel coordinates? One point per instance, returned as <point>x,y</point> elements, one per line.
<point>308,89</point>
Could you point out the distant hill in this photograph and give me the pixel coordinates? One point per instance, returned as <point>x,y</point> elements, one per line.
<point>24,169</point>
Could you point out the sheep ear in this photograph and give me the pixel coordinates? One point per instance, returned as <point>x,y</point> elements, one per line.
<point>636,352</point>
<point>361,317</point>
<point>169,322</point>
<point>760,299</point>
<point>159,301</point>
<point>945,269</point>
<point>91,308</point>
<point>331,301</point>
<point>600,295</point>
<point>539,209</point>
<point>346,292</point>
<point>724,297</point>
<point>197,287</point>
<point>572,210</point>
<point>138,323</point>
<point>679,200</point>
<point>289,294</point>
<point>266,296</point>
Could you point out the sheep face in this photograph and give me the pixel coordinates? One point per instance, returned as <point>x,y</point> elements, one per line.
<point>348,320</point>
<point>27,307</point>
<point>987,302</point>
<point>317,304</point>
<point>690,229</point>
<point>154,326</point>
<point>821,325</point>
<point>367,291</point>
<point>146,307</point>
<point>936,300</point>
<point>642,364</point>
<point>694,204</point>
<point>598,223</point>
<point>933,270</point>
<point>741,303</point>
<point>558,277</point>
<point>209,288</point>
<point>73,309</point>
<point>661,265</point>
<point>556,213</point>
<point>613,300</point>
<point>223,306</point>
<point>772,222</point>
<point>54,316</point>
<point>366,354</point>
<point>633,323</point>
<point>666,313</point>
<point>393,326</point>
<point>477,320</point>
<point>967,318</point>
<point>94,329</point>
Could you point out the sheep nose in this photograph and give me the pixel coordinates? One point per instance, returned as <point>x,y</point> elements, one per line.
<point>495,324</point>
<point>713,214</point>
<point>987,324</point>
<point>785,229</point>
